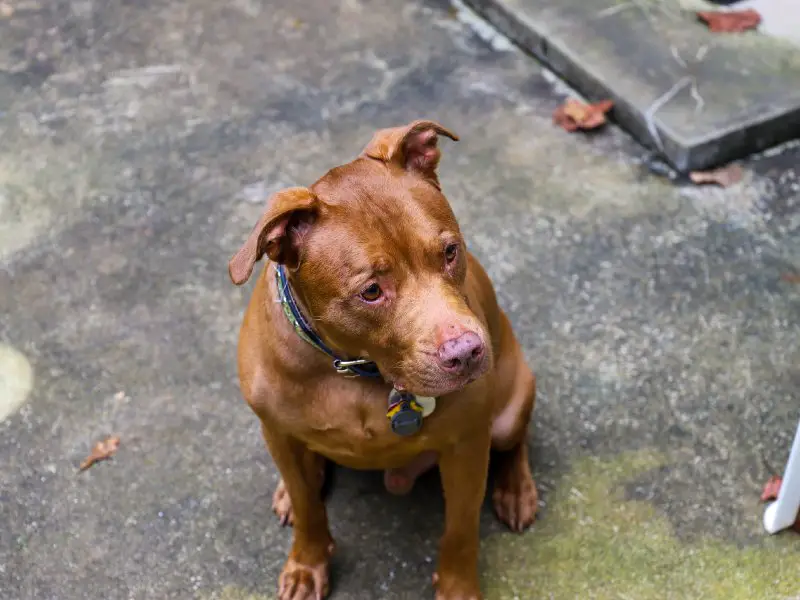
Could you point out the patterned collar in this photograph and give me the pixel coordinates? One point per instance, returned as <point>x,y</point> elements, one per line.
<point>357,367</point>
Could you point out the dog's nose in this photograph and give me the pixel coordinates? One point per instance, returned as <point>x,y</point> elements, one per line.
<point>461,355</point>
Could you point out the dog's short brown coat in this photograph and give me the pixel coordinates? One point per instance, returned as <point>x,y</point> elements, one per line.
<point>382,223</point>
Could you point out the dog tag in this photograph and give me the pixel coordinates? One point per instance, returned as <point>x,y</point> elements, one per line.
<point>408,420</point>
<point>404,414</point>
<point>396,397</point>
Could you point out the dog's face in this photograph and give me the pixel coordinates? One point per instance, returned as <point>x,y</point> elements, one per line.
<point>377,260</point>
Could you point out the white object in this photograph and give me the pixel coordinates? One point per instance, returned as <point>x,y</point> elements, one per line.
<point>784,511</point>
<point>779,18</point>
<point>428,404</point>
<point>16,380</point>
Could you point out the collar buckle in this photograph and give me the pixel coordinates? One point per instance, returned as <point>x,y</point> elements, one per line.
<point>343,367</point>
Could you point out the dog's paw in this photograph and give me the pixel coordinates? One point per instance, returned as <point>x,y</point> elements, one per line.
<point>303,582</point>
<point>282,505</point>
<point>458,596</point>
<point>516,502</point>
<point>453,588</point>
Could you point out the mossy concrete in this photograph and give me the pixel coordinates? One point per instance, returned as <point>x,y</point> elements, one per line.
<point>235,593</point>
<point>595,542</point>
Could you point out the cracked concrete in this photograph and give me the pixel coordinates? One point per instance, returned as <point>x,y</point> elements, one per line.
<point>139,140</point>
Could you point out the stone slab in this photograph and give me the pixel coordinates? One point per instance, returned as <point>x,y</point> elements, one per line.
<point>700,98</point>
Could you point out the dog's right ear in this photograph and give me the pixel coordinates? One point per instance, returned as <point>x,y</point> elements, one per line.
<point>412,147</point>
<point>278,233</point>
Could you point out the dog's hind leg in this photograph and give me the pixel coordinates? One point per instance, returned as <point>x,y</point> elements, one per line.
<point>282,502</point>
<point>514,497</point>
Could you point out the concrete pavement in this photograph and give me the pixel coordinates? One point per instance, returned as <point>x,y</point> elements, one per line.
<point>138,143</point>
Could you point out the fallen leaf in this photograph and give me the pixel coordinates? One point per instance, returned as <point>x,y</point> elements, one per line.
<point>6,10</point>
<point>574,114</point>
<point>791,277</point>
<point>724,176</point>
<point>734,21</point>
<point>770,492</point>
<point>102,450</point>
<point>771,488</point>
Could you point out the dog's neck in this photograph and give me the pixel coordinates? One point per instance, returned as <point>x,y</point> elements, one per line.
<point>293,312</point>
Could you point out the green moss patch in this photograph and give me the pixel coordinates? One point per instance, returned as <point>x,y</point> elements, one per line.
<point>595,544</point>
<point>232,592</point>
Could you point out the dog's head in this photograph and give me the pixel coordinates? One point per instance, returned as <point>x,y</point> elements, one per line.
<point>376,258</point>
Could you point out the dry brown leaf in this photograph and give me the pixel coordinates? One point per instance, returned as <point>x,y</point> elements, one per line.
<point>770,492</point>
<point>724,176</point>
<point>771,488</point>
<point>791,277</point>
<point>102,450</point>
<point>734,21</point>
<point>574,114</point>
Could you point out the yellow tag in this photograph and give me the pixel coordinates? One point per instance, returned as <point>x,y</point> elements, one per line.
<point>394,410</point>
<point>405,405</point>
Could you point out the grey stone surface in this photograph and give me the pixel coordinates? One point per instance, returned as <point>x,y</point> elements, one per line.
<point>699,98</point>
<point>138,142</point>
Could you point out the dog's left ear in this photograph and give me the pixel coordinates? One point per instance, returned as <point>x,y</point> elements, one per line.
<point>279,232</point>
<point>412,147</point>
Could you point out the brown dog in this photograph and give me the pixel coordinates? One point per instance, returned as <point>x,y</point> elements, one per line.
<point>370,315</point>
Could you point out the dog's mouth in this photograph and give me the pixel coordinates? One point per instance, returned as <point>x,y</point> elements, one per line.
<point>434,371</point>
<point>437,387</point>
<point>439,390</point>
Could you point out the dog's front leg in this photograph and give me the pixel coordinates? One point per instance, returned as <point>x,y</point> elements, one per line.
<point>305,575</point>
<point>464,471</point>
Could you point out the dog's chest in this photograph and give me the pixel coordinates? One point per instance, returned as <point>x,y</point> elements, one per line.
<point>346,421</point>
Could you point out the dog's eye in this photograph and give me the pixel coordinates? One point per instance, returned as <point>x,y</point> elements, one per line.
<point>451,252</point>
<point>372,293</point>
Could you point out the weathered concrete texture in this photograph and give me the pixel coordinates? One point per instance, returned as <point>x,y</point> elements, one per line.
<point>699,98</point>
<point>139,140</point>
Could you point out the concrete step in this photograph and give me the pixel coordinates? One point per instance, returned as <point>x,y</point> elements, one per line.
<point>699,98</point>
